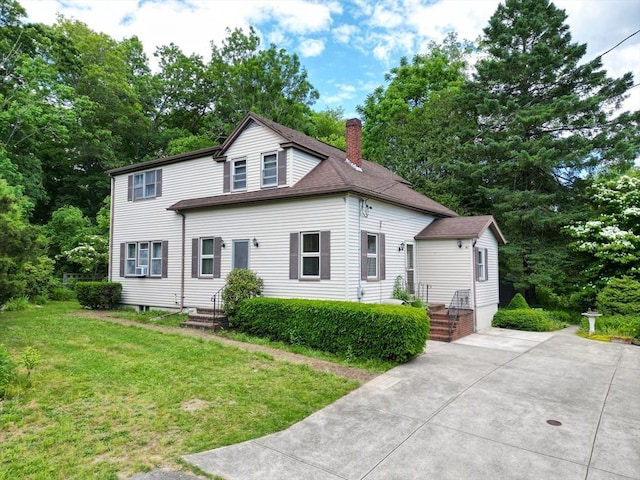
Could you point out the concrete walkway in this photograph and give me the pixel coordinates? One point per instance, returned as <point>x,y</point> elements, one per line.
<point>482,407</point>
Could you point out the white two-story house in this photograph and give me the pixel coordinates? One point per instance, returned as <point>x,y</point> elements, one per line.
<point>311,220</point>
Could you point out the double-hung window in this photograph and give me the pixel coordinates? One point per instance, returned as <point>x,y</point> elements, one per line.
<point>482,267</point>
<point>269,170</point>
<point>144,185</point>
<point>240,174</point>
<point>206,257</point>
<point>372,256</point>
<point>310,254</point>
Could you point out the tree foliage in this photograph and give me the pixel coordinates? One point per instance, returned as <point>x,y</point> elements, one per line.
<point>610,238</point>
<point>543,120</point>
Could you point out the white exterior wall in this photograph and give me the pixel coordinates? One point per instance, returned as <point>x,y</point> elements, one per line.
<point>487,293</point>
<point>301,164</point>
<point>149,220</point>
<point>445,267</point>
<point>399,225</point>
<point>252,142</point>
<point>270,224</point>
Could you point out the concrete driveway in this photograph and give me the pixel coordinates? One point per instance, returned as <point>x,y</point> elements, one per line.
<point>500,404</point>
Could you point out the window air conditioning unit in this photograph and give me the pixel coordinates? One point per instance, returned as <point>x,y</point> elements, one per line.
<point>141,272</point>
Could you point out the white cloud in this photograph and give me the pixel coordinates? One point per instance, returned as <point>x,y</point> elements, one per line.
<point>311,47</point>
<point>343,33</point>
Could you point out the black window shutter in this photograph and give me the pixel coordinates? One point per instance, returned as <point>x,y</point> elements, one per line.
<point>130,188</point>
<point>159,182</point>
<point>217,254</point>
<point>363,255</point>
<point>293,255</point>
<point>123,249</point>
<point>282,167</point>
<point>325,255</point>
<point>382,256</point>
<point>165,259</point>
<point>195,244</point>
<point>226,179</point>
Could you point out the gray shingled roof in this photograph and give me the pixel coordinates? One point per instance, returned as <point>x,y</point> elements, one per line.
<point>461,227</point>
<point>159,162</point>
<point>332,175</point>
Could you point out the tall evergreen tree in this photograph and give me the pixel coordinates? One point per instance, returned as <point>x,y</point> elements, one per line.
<point>544,123</point>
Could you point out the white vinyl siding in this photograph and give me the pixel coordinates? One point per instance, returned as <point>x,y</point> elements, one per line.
<point>271,225</point>
<point>148,221</point>
<point>445,267</point>
<point>250,144</point>
<point>487,292</point>
<point>398,225</point>
<point>302,163</point>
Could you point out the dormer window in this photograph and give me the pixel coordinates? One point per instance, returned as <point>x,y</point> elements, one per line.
<point>269,170</point>
<point>240,174</point>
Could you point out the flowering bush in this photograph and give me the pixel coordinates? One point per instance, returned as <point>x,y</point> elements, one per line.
<point>612,238</point>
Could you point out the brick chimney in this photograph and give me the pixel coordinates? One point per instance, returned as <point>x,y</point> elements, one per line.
<point>354,142</point>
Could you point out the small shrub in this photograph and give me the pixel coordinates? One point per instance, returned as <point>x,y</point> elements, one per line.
<point>240,285</point>
<point>17,304</point>
<point>400,293</point>
<point>517,302</point>
<point>417,303</point>
<point>7,370</point>
<point>621,296</point>
<point>99,295</point>
<point>356,330</point>
<point>529,319</point>
<point>62,294</point>
<point>615,325</point>
<point>559,316</point>
<point>30,359</point>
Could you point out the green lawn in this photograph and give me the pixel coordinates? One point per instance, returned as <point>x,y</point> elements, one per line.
<point>109,400</point>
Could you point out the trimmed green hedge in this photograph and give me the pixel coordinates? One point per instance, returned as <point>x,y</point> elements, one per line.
<point>388,332</point>
<point>99,295</point>
<point>517,302</point>
<point>621,296</point>
<point>528,319</point>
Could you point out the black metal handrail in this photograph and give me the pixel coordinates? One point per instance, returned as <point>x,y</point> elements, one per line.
<point>460,300</point>
<point>217,301</point>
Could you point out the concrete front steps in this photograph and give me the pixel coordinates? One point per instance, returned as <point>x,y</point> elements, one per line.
<point>439,318</point>
<point>206,319</point>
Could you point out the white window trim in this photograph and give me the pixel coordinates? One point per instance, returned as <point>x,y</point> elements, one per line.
<point>202,256</point>
<point>153,259</point>
<point>262,169</point>
<point>481,268</point>
<point>233,174</point>
<point>144,185</point>
<point>375,255</point>
<point>304,255</point>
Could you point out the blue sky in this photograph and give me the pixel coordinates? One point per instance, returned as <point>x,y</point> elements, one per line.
<point>346,47</point>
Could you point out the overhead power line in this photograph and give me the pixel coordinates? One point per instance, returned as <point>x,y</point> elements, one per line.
<point>620,43</point>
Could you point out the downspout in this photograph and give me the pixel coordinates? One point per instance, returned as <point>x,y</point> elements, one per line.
<point>474,276</point>
<point>184,220</point>
<point>360,207</point>
<point>347,232</point>
<point>111,210</point>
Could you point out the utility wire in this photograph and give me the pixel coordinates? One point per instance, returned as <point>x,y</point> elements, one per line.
<point>619,43</point>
